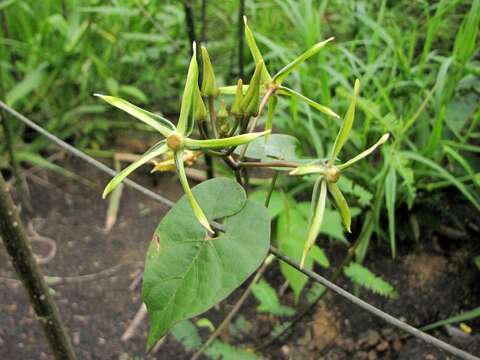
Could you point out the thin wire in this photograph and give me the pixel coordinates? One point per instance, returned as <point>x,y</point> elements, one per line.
<point>316,277</point>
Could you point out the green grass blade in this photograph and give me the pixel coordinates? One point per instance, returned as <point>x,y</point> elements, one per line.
<point>197,210</point>
<point>442,173</point>
<point>156,150</point>
<point>159,123</point>
<point>468,315</point>
<point>342,205</point>
<point>287,70</point>
<point>390,194</point>
<point>344,132</point>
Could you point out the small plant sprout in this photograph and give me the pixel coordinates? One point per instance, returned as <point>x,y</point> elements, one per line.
<point>329,174</point>
<point>176,137</point>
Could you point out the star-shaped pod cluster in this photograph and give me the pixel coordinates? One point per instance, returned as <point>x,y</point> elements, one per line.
<point>176,138</point>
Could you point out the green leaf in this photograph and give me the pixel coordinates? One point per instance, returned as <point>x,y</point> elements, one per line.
<point>365,153</point>
<point>197,210</point>
<point>316,221</point>
<point>476,261</point>
<point>31,82</point>
<point>159,123</point>
<point>442,173</point>
<point>257,56</point>
<point>221,350</point>
<point>363,196</point>
<point>390,193</point>
<point>186,272</point>
<point>275,206</point>
<point>134,92</point>
<point>344,132</point>
<point>156,150</point>
<point>277,147</point>
<point>360,275</point>
<point>186,333</point>
<point>185,123</point>
<point>193,144</point>
<point>322,108</point>
<point>287,70</point>
<point>268,299</point>
<point>341,204</point>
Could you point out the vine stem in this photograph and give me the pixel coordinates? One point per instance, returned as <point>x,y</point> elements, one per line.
<point>248,290</point>
<point>27,269</point>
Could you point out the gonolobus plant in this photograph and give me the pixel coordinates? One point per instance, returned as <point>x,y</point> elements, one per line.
<point>215,237</point>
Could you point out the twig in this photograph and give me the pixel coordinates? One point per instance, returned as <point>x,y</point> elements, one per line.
<point>55,280</point>
<point>19,249</point>
<point>135,323</point>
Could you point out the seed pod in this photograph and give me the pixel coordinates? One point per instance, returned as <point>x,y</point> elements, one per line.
<point>251,100</point>
<point>209,83</point>
<point>200,110</point>
<point>236,106</point>
<point>222,113</point>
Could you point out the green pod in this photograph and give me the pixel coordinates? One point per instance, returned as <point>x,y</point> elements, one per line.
<point>209,83</point>
<point>251,100</point>
<point>236,106</point>
<point>223,112</point>
<point>200,110</point>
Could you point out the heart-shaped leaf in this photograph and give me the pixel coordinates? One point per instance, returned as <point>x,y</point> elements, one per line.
<point>186,272</point>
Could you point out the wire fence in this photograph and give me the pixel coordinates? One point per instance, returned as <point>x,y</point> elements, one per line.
<point>312,275</point>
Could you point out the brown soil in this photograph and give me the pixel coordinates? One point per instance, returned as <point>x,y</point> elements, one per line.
<point>433,284</point>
